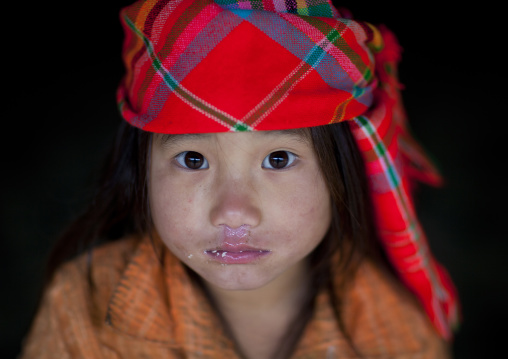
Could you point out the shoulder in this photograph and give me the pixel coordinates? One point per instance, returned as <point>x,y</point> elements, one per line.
<point>86,283</point>
<point>73,307</point>
<point>90,277</point>
<point>383,318</point>
<point>101,265</point>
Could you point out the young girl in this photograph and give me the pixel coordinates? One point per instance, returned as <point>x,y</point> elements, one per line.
<point>256,203</point>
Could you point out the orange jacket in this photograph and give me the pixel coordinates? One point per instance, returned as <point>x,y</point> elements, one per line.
<point>139,308</point>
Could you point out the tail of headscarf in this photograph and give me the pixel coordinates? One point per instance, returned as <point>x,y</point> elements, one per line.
<point>394,162</point>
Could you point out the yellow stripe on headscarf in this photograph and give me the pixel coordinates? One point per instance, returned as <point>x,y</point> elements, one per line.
<point>376,43</point>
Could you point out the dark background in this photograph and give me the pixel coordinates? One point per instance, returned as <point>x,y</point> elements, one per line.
<point>63,65</point>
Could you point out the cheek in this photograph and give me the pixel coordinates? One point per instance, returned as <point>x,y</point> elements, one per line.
<point>173,213</point>
<point>305,213</point>
<point>163,201</point>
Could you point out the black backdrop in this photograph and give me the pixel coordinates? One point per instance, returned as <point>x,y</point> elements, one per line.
<point>62,66</point>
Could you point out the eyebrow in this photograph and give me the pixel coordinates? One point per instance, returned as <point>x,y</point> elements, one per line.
<point>169,139</point>
<point>301,134</point>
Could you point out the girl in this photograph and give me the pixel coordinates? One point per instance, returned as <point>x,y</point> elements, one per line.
<point>256,203</point>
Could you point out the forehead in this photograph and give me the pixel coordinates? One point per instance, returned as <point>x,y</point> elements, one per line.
<point>300,134</point>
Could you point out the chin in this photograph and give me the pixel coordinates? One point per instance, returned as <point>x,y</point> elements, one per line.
<point>234,279</point>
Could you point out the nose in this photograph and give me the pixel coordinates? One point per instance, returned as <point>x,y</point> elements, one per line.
<point>235,204</point>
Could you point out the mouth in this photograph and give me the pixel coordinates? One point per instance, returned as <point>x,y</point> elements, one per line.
<point>233,247</point>
<point>236,254</point>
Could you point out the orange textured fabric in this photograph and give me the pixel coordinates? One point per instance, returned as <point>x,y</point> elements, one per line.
<point>139,308</point>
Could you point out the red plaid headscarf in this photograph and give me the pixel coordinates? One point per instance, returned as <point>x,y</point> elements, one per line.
<point>201,66</point>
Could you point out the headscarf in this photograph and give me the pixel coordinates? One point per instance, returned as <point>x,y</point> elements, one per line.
<point>205,66</point>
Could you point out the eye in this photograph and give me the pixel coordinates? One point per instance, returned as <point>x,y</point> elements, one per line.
<point>278,160</point>
<point>192,160</point>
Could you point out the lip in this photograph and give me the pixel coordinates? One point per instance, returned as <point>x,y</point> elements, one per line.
<point>232,247</point>
<point>236,254</point>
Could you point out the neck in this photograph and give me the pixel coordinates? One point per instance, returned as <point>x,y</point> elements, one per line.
<point>259,319</point>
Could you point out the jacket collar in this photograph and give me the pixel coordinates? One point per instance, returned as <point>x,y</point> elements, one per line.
<point>156,300</point>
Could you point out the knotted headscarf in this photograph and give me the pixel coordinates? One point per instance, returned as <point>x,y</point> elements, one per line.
<point>202,66</point>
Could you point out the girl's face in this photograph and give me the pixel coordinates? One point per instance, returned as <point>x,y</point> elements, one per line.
<point>240,209</point>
